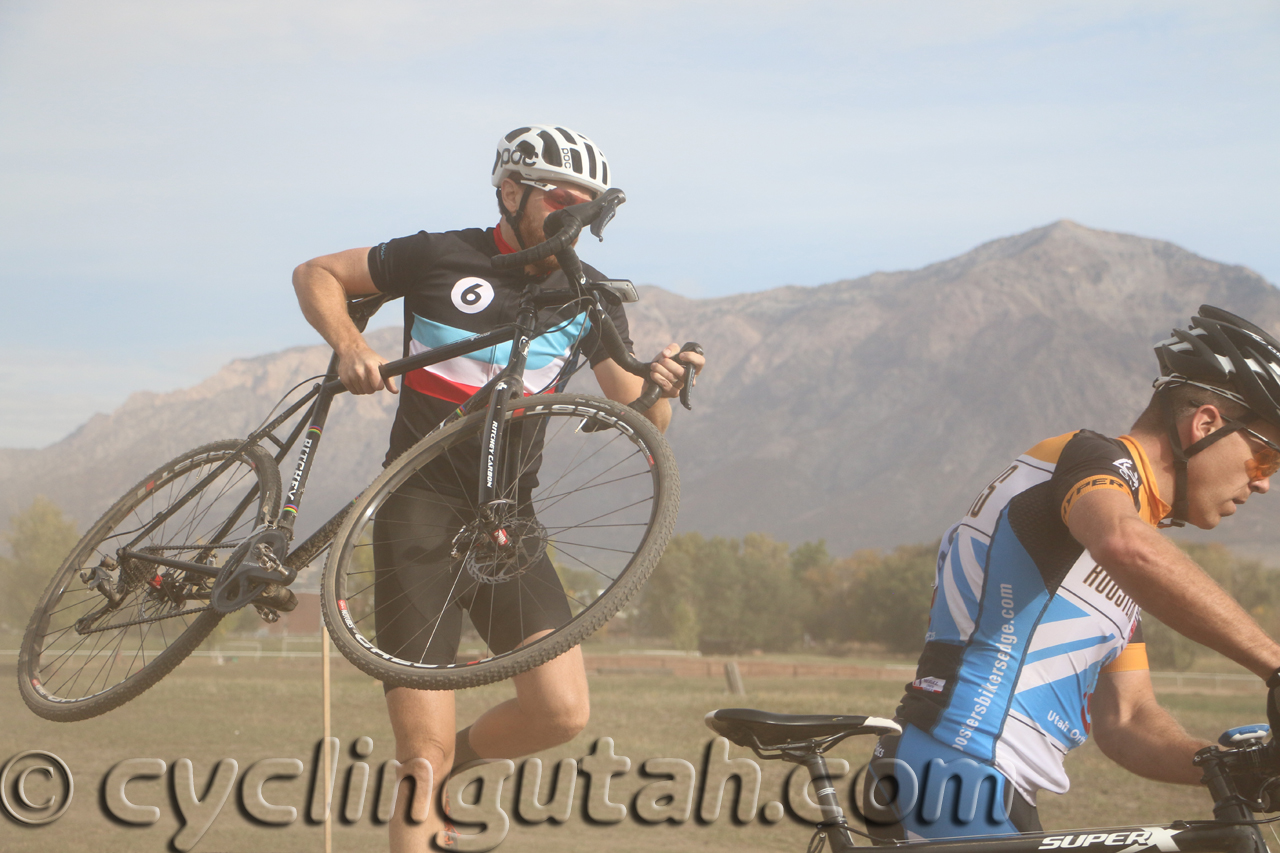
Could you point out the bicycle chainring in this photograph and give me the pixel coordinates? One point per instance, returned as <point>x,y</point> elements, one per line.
<point>235,587</point>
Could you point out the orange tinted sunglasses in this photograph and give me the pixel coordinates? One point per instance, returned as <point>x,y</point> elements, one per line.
<point>1266,461</point>
<point>558,198</point>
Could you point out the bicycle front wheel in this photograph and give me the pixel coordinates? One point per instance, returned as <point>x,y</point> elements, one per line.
<point>111,625</point>
<point>590,503</point>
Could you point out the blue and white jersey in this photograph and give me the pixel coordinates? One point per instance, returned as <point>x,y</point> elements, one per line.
<point>1023,618</point>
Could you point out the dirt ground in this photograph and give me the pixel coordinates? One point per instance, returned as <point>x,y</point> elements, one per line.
<point>249,710</point>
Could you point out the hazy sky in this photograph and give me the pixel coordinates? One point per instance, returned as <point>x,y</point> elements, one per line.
<point>164,166</point>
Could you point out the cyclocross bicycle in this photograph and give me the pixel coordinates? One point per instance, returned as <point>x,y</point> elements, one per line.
<point>580,480</point>
<point>1241,779</point>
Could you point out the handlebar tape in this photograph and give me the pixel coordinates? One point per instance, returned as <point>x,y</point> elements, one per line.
<point>551,247</point>
<point>568,222</point>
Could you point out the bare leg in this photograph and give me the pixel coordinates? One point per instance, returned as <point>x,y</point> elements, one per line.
<point>423,724</point>
<point>551,707</point>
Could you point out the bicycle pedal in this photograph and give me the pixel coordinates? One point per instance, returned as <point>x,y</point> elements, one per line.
<point>268,615</point>
<point>278,598</point>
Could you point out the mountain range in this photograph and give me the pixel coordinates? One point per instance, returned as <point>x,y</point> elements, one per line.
<point>866,412</point>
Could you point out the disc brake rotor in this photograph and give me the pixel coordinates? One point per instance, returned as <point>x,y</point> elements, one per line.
<point>495,553</point>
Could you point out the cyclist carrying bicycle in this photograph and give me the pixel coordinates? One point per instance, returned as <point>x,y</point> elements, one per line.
<point>451,291</point>
<point>1034,638</point>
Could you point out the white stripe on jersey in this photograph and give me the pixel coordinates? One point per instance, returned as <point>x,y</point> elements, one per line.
<point>973,569</point>
<point>474,374</point>
<point>955,601</point>
<point>1065,631</point>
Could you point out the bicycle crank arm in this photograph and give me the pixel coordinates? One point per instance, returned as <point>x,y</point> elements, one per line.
<point>252,567</point>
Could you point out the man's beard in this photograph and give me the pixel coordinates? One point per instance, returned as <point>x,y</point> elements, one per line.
<point>531,235</point>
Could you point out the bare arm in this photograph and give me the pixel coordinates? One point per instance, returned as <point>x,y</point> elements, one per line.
<point>323,285</point>
<point>1166,582</point>
<point>622,387</point>
<point>1133,730</point>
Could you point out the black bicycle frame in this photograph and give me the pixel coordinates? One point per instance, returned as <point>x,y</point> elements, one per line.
<point>508,383</point>
<point>332,386</point>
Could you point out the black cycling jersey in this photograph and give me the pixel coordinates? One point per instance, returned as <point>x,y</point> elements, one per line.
<point>451,291</point>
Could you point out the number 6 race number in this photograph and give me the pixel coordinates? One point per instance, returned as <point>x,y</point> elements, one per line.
<point>472,295</point>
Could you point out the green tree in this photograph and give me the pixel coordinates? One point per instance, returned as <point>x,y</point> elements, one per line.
<point>834,589</point>
<point>39,538</point>
<point>773,604</point>
<point>671,588</point>
<point>725,595</point>
<point>891,602</point>
<point>810,557</point>
<point>1166,648</point>
<point>685,630</point>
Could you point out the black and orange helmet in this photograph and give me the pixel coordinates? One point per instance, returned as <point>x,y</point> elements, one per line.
<point>1228,355</point>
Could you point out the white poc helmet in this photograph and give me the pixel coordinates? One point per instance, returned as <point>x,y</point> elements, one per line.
<point>544,153</point>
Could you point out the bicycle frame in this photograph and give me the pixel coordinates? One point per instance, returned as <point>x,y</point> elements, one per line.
<point>507,384</point>
<point>274,536</point>
<point>1233,830</point>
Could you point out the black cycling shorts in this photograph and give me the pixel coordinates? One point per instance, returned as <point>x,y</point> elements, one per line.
<point>421,590</point>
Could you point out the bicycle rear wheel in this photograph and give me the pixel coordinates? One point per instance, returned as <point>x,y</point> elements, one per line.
<point>110,626</point>
<point>591,503</point>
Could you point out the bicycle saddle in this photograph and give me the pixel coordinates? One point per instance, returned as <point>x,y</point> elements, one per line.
<point>765,730</point>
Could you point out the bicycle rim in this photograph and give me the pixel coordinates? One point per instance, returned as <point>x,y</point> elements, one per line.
<point>420,592</point>
<point>84,654</point>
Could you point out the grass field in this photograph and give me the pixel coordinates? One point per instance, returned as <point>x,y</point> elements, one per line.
<point>249,710</point>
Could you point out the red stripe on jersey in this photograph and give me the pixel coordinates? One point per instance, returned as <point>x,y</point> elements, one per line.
<point>426,382</point>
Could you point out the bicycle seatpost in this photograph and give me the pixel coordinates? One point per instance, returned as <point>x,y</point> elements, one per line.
<point>833,820</point>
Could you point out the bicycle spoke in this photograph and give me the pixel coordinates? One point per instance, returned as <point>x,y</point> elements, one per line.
<point>126,641</point>
<point>597,485</point>
<point>572,515</point>
<point>607,514</point>
<point>560,543</point>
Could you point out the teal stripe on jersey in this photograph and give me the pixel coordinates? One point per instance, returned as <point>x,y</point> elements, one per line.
<point>1067,648</point>
<point>543,350</point>
<point>1060,610</point>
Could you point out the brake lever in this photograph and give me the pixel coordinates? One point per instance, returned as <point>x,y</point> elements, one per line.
<point>610,209</point>
<point>652,391</point>
<point>690,371</point>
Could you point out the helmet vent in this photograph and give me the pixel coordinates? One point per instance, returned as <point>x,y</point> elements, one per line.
<point>550,149</point>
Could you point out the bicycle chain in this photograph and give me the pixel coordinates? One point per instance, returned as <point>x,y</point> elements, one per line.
<point>189,547</point>
<point>145,620</point>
